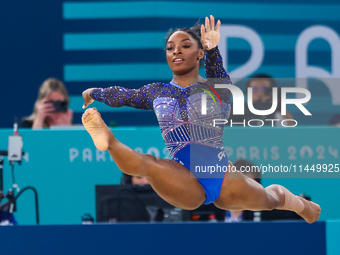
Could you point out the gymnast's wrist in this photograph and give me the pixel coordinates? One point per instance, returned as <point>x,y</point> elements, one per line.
<point>93,92</point>
<point>212,49</point>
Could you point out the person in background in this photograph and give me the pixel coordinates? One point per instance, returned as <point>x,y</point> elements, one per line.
<point>335,120</point>
<point>262,86</point>
<point>51,107</point>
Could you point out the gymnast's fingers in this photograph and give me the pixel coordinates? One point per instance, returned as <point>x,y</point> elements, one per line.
<point>202,31</point>
<point>218,24</point>
<point>87,98</point>
<point>212,22</point>
<point>207,25</point>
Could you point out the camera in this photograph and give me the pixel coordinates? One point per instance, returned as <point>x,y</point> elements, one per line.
<point>60,106</point>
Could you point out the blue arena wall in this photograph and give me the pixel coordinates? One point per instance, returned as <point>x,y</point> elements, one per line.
<point>99,44</point>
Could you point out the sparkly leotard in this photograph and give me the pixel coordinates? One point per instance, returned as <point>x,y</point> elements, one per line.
<point>190,136</point>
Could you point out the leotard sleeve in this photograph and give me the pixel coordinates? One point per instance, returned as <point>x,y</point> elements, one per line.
<point>214,64</point>
<point>216,73</point>
<point>116,96</point>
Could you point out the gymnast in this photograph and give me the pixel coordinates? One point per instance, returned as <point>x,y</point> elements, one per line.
<point>188,133</point>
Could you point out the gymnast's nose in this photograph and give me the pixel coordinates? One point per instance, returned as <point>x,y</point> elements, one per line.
<point>177,50</point>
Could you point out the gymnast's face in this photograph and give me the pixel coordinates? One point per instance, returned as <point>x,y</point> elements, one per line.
<point>183,53</point>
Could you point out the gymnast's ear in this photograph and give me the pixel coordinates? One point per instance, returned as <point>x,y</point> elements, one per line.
<point>200,54</point>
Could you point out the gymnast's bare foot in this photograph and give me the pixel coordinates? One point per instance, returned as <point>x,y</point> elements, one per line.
<point>311,212</point>
<point>97,128</point>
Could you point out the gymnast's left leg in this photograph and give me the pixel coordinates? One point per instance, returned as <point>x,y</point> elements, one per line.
<point>168,178</point>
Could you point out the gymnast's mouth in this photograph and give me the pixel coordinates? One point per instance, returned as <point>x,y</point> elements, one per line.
<point>178,60</point>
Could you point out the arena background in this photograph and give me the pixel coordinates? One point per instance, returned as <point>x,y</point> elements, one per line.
<point>99,44</point>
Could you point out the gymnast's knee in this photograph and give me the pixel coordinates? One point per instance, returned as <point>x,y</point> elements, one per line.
<point>151,163</point>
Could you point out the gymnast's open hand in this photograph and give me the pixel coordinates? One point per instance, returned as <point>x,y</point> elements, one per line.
<point>210,35</point>
<point>87,97</point>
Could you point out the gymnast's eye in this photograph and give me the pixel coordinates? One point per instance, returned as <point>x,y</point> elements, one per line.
<point>169,48</point>
<point>186,46</point>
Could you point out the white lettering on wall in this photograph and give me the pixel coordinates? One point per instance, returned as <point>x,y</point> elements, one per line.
<point>87,155</point>
<point>100,155</point>
<point>304,71</point>
<point>74,153</point>
<point>256,44</point>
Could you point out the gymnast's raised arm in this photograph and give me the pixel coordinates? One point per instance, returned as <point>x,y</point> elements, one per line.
<point>210,37</point>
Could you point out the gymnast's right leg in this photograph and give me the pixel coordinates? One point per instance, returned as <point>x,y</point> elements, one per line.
<point>168,178</point>
<point>242,193</point>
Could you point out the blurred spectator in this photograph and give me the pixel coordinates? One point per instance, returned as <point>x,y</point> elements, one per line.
<point>51,107</point>
<point>239,215</point>
<point>335,120</point>
<point>262,86</point>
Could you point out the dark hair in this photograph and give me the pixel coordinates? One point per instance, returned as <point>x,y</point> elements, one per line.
<point>272,82</point>
<point>194,31</point>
